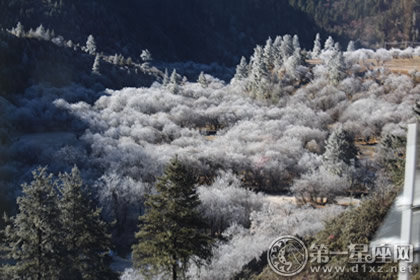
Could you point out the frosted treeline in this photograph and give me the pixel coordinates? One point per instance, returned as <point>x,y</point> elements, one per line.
<point>265,131</point>
<point>272,221</point>
<point>245,244</point>
<point>135,131</point>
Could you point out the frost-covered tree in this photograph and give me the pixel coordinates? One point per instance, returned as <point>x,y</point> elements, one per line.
<point>115,59</point>
<point>268,54</point>
<point>351,47</point>
<point>336,66</point>
<point>202,80</point>
<point>292,64</point>
<point>171,232</point>
<point>316,51</point>
<point>19,30</point>
<point>241,246</point>
<point>173,82</point>
<point>41,33</point>
<point>277,41</point>
<point>337,46</point>
<point>259,75</point>
<point>258,67</point>
<point>329,44</point>
<point>91,45</point>
<point>84,238</point>
<point>174,77</point>
<point>226,202</point>
<point>146,57</point>
<point>165,79</point>
<point>96,65</point>
<point>296,44</point>
<point>277,52</point>
<point>286,47</point>
<point>339,148</point>
<point>242,70</point>
<point>184,80</point>
<point>320,183</point>
<point>40,30</point>
<point>32,240</point>
<point>70,44</point>
<point>122,198</point>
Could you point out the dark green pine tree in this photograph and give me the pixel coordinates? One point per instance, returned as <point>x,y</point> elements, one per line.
<point>340,147</point>
<point>171,232</point>
<point>85,239</point>
<point>32,243</point>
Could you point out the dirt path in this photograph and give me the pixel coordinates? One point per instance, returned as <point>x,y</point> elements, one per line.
<point>396,65</point>
<point>282,199</point>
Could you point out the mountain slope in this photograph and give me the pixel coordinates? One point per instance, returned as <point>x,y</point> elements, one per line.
<point>213,30</point>
<point>371,22</point>
<point>202,31</point>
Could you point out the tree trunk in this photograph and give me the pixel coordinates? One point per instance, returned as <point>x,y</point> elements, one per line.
<point>39,254</point>
<point>174,277</point>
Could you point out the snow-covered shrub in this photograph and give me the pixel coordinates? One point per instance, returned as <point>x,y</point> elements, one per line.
<point>320,183</point>
<point>225,202</point>
<point>271,222</point>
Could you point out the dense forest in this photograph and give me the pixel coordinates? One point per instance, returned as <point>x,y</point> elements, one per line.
<point>207,31</point>
<point>119,158</point>
<point>371,22</point>
<point>202,31</point>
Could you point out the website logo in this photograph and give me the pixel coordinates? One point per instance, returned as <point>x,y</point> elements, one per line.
<point>287,255</point>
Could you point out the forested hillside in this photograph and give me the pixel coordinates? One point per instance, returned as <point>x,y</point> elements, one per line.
<point>371,22</point>
<point>202,31</point>
<point>206,31</point>
<point>117,153</point>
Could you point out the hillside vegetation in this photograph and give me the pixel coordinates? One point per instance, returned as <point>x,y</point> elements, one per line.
<point>192,149</point>
<point>370,22</point>
<point>207,31</point>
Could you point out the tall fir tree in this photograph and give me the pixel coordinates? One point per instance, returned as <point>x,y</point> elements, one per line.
<point>337,46</point>
<point>268,54</point>
<point>329,44</point>
<point>242,70</point>
<point>336,66</point>
<point>32,241</point>
<point>42,32</point>
<point>173,82</point>
<point>259,73</point>
<point>171,232</point>
<point>286,47</point>
<point>277,41</point>
<point>146,57</point>
<point>202,80</point>
<point>296,44</point>
<point>85,238</point>
<point>96,65</point>
<point>53,236</point>
<point>340,149</point>
<point>351,47</point>
<point>165,79</point>
<point>277,52</point>
<point>259,82</point>
<point>19,30</point>
<point>316,51</point>
<point>292,63</point>
<point>91,45</point>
